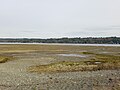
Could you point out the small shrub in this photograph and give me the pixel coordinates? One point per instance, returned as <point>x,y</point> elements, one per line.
<point>87,53</point>
<point>4,59</point>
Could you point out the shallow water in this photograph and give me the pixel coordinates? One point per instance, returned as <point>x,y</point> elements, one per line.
<point>73,55</point>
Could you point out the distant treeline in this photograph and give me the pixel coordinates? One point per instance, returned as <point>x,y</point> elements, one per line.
<point>78,40</point>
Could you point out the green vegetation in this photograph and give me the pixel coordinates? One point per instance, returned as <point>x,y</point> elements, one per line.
<point>99,62</point>
<point>4,59</point>
<point>46,59</point>
<point>87,53</point>
<point>60,67</point>
<point>89,40</point>
<point>95,60</point>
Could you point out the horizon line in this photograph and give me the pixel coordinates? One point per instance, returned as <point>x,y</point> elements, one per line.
<point>56,37</point>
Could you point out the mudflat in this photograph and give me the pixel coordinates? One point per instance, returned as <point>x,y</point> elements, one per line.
<point>59,67</point>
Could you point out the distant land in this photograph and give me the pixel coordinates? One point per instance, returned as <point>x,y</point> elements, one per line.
<point>76,40</point>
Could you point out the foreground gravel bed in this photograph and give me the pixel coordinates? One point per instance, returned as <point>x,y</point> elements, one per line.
<point>95,80</point>
<point>14,76</point>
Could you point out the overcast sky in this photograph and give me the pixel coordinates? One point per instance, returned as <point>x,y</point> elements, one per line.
<point>59,18</point>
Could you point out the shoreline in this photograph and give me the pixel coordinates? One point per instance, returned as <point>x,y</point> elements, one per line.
<point>72,44</point>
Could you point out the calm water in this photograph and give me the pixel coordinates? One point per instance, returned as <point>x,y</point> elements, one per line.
<point>67,44</point>
<point>74,55</point>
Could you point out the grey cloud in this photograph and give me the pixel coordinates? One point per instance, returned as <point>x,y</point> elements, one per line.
<point>96,32</point>
<point>59,18</point>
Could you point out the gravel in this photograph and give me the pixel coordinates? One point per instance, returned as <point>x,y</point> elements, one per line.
<point>14,76</point>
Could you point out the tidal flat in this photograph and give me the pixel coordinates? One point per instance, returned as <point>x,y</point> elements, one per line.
<point>59,67</point>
